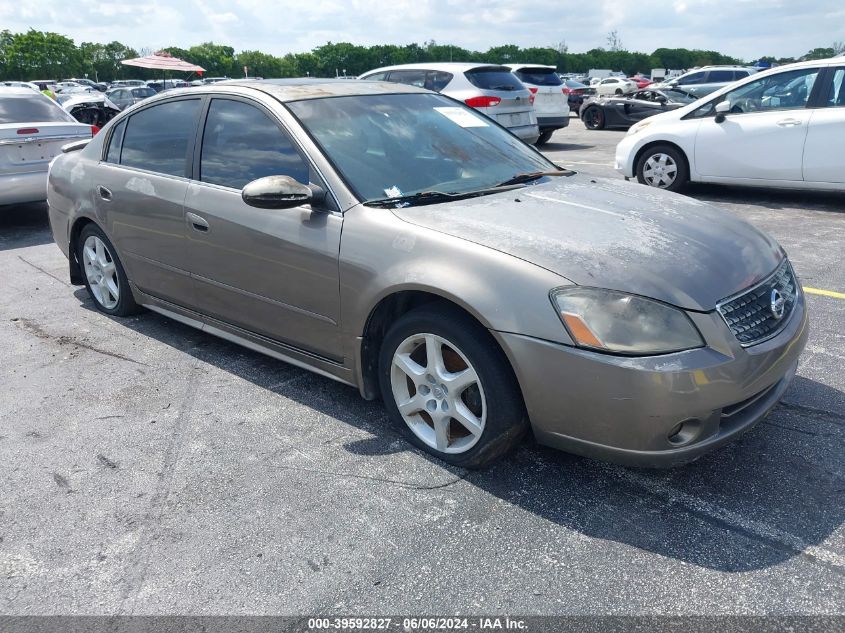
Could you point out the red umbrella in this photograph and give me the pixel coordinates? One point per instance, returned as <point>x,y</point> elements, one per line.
<point>162,60</point>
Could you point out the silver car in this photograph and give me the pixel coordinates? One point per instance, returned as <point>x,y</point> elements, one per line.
<point>491,89</point>
<point>33,129</point>
<point>395,240</point>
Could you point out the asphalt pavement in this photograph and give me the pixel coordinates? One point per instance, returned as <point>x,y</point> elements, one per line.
<point>148,468</point>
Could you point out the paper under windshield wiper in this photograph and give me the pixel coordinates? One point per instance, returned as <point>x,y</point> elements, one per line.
<point>519,179</point>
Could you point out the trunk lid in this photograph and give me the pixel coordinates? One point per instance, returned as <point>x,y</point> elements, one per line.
<point>28,147</point>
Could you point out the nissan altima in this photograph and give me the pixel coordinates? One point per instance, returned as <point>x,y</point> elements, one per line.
<point>396,240</point>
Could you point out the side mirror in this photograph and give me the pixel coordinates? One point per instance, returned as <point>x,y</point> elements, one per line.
<point>721,110</point>
<point>280,192</point>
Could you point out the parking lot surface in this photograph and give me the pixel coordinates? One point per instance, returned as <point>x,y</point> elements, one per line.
<point>148,468</point>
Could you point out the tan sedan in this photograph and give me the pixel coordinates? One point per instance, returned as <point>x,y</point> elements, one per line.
<point>398,241</point>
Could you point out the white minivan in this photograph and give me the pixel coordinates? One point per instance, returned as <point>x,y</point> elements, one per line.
<point>783,127</point>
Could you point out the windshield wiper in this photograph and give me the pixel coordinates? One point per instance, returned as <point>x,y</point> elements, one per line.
<point>423,197</point>
<point>519,179</point>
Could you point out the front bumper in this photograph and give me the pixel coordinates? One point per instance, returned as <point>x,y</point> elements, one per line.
<point>625,409</point>
<point>26,187</point>
<point>626,151</point>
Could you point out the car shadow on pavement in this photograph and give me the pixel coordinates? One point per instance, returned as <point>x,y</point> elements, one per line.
<point>762,500</point>
<point>24,225</point>
<point>551,146</point>
<point>768,198</point>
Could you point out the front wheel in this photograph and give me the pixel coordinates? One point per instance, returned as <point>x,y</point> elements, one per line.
<point>664,167</point>
<point>449,388</point>
<point>105,278</point>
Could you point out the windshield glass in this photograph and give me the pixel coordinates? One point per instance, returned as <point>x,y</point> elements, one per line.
<point>402,144</point>
<point>35,108</point>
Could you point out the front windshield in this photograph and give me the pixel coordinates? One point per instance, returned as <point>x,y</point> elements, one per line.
<point>387,146</point>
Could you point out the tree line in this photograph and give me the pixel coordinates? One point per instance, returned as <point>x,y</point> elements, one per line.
<point>43,55</point>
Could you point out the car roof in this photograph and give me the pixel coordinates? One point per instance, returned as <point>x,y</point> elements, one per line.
<point>307,88</point>
<point>452,67</point>
<point>17,91</point>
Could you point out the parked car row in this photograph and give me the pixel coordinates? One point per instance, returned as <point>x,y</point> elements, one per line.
<point>528,99</point>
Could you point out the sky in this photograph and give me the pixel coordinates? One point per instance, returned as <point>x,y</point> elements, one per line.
<point>747,29</point>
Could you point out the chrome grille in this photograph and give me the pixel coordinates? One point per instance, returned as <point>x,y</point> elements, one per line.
<point>750,315</point>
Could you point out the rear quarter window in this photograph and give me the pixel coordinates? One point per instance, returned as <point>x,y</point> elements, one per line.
<point>494,78</point>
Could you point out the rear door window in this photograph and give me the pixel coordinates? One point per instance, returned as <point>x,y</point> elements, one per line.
<point>241,143</point>
<point>436,80</point>
<point>690,80</point>
<point>35,108</point>
<point>721,76</point>
<point>410,77</point>
<point>494,78</point>
<point>158,138</point>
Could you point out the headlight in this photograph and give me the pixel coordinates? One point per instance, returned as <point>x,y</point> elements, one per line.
<point>639,127</point>
<point>617,322</point>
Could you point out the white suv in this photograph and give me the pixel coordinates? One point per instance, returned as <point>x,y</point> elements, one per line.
<point>550,100</point>
<point>783,127</point>
<point>489,88</point>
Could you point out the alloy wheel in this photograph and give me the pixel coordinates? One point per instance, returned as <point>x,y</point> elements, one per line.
<point>660,170</point>
<point>438,393</point>
<point>101,272</point>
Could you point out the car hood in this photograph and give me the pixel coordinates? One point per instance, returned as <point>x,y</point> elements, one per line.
<point>616,235</point>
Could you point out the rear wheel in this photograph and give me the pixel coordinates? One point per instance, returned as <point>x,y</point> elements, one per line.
<point>544,137</point>
<point>664,167</point>
<point>619,91</point>
<point>104,276</point>
<point>449,388</point>
<point>593,118</point>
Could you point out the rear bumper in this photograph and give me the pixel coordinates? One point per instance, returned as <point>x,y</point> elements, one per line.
<point>26,187</point>
<point>625,410</point>
<point>528,133</point>
<point>551,122</point>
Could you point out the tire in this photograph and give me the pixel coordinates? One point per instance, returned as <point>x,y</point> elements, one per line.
<point>489,395</point>
<point>664,167</point>
<point>618,91</point>
<point>99,261</point>
<point>544,138</point>
<point>593,118</point>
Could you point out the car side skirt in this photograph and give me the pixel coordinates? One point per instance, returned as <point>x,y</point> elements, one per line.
<point>250,340</point>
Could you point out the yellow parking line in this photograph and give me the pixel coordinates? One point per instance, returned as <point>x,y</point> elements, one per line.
<point>826,293</point>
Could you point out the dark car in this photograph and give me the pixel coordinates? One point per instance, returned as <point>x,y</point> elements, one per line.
<point>127,96</point>
<point>576,92</point>
<point>623,111</point>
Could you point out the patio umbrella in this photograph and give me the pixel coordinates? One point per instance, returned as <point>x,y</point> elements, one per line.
<point>162,60</point>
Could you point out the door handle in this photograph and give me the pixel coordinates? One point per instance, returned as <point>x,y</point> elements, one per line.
<point>104,193</point>
<point>198,223</point>
<point>789,122</point>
